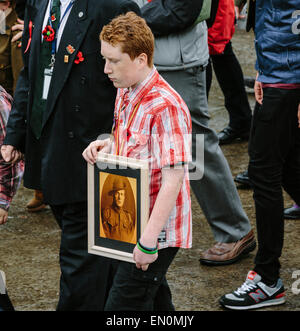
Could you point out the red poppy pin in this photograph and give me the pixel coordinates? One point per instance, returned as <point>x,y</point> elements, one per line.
<point>48,33</point>
<point>79,58</point>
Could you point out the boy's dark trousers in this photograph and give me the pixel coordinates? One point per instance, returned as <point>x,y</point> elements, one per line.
<point>5,303</point>
<point>274,150</point>
<point>134,289</point>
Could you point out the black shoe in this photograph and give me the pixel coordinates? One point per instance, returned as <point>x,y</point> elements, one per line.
<point>292,213</point>
<point>228,135</point>
<point>243,178</point>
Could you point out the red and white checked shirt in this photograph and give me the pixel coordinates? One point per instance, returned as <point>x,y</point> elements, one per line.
<point>10,174</point>
<point>152,122</point>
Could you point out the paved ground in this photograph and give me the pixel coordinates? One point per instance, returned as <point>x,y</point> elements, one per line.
<point>29,243</point>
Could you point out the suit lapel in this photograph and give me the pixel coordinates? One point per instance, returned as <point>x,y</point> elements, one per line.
<point>36,37</point>
<point>73,34</point>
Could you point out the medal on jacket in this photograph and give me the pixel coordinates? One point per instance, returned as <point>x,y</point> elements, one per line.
<point>50,34</point>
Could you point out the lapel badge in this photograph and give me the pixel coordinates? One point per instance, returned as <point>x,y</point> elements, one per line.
<point>79,58</point>
<point>70,49</point>
<point>30,26</point>
<point>66,59</point>
<point>80,14</point>
<point>53,18</point>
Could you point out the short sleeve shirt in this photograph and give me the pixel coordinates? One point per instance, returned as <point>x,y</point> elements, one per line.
<point>152,122</point>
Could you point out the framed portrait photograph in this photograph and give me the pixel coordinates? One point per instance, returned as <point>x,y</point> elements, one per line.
<point>118,205</point>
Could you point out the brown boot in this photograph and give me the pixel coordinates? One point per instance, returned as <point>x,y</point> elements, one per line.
<point>36,203</point>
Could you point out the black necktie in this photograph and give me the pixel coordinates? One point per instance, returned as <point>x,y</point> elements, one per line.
<point>45,59</point>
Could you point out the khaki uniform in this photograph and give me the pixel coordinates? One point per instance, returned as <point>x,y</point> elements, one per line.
<point>117,224</point>
<point>11,61</point>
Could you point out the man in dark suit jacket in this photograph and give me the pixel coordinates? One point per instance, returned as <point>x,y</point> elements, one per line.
<point>79,106</point>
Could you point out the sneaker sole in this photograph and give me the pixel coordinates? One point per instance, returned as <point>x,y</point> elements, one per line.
<point>244,253</point>
<point>267,303</point>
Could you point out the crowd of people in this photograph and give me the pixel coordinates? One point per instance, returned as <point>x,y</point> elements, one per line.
<point>153,79</point>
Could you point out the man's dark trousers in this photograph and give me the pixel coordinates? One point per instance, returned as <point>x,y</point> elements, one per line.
<point>231,80</point>
<point>274,150</point>
<point>81,272</point>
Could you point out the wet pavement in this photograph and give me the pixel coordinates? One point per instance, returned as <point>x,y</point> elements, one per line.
<point>29,243</point>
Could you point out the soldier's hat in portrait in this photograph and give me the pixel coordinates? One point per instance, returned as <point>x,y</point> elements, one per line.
<point>118,184</point>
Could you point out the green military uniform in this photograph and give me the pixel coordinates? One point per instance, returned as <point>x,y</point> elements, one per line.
<point>117,224</point>
<point>11,61</point>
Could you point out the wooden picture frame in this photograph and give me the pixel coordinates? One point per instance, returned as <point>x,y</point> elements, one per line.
<point>118,205</point>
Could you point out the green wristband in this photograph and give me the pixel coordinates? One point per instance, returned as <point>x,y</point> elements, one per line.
<point>144,250</point>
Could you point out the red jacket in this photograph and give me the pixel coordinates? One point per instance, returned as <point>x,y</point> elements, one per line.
<point>223,28</point>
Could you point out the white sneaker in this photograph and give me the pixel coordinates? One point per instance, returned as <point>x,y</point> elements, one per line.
<point>254,294</point>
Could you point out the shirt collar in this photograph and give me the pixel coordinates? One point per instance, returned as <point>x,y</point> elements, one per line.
<point>63,2</point>
<point>142,88</point>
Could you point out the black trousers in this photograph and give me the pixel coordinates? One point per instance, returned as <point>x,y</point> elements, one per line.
<point>231,80</point>
<point>85,278</point>
<point>134,289</point>
<point>274,150</point>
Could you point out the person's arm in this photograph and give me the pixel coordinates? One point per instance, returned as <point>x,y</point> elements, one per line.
<point>240,3</point>
<point>10,174</point>
<point>14,142</point>
<point>258,91</point>
<point>171,183</point>
<point>17,123</point>
<point>171,16</point>
<point>10,178</point>
<point>213,13</point>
